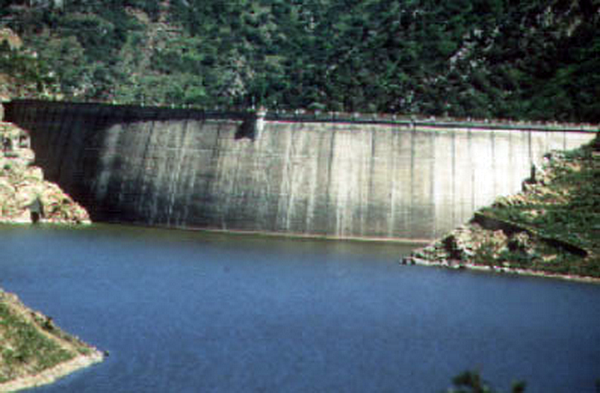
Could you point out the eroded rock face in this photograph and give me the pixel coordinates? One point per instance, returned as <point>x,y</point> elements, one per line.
<point>25,197</point>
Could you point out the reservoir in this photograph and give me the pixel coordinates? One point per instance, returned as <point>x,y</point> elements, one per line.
<point>183,311</point>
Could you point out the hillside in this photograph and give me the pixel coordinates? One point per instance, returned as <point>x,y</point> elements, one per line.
<point>517,59</point>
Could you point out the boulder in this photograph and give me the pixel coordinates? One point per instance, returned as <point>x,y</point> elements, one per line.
<point>459,244</point>
<point>27,192</point>
<point>520,242</point>
<point>34,174</point>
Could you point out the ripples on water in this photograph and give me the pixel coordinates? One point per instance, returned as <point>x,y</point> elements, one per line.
<point>196,312</point>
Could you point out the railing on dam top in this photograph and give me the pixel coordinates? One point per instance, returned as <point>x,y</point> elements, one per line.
<point>141,113</point>
<point>428,122</point>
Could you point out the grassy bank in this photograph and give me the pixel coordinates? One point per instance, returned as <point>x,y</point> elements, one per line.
<point>34,351</point>
<point>551,228</point>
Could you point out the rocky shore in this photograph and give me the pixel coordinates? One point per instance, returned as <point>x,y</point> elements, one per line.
<point>25,197</point>
<point>550,229</point>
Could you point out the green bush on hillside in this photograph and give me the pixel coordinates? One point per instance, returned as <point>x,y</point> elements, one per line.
<point>473,58</point>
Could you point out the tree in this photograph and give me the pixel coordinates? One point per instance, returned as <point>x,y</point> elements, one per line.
<point>471,382</point>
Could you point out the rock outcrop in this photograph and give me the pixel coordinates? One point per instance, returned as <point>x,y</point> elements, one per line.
<point>25,197</point>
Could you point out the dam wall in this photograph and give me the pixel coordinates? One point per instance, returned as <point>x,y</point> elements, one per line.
<point>192,169</point>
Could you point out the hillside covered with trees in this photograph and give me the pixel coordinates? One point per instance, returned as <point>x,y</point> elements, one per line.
<point>518,59</point>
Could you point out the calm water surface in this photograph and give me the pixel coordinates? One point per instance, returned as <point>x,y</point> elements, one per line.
<point>197,312</point>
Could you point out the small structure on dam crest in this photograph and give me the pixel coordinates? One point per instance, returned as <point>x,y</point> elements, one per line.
<point>253,125</point>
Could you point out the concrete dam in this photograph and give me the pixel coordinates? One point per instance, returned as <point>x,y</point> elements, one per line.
<point>292,175</point>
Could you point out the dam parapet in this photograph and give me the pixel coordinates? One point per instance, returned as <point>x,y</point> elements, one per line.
<point>307,174</point>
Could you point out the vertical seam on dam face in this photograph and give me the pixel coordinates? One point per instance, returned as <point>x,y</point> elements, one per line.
<point>412,177</point>
<point>328,204</point>
<point>432,189</point>
<point>188,169</point>
<point>453,181</point>
<point>493,146</point>
<point>364,216</point>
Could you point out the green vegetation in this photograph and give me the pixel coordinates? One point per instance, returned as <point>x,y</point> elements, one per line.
<point>518,59</point>
<point>561,208</point>
<point>31,344</point>
<point>25,349</point>
<point>471,382</point>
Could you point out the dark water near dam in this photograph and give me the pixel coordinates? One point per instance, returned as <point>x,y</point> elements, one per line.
<point>197,312</point>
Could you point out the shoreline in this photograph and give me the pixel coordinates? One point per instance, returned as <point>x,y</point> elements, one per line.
<point>53,374</point>
<point>297,235</point>
<point>22,222</point>
<point>273,234</point>
<point>34,350</point>
<point>499,270</point>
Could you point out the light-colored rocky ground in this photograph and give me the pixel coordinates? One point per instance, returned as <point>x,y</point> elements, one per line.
<point>23,189</point>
